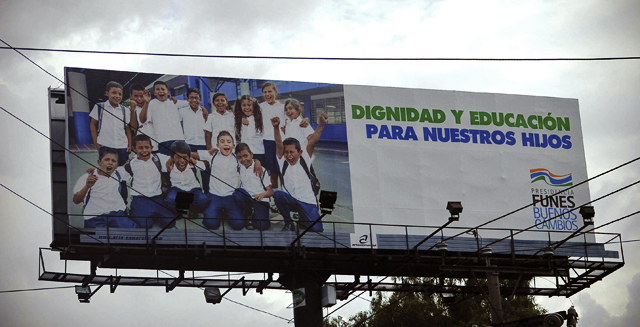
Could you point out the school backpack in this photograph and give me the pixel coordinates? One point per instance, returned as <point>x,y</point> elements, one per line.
<point>86,198</point>
<point>124,117</point>
<point>315,183</point>
<point>165,179</point>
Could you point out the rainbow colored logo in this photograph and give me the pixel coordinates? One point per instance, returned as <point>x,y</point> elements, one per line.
<point>542,174</point>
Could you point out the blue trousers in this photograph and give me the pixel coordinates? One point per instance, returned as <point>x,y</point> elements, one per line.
<point>112,219</point>
<point>145,210</point>
<point>260,214</point>
<point>165,147</point>
<point>204,174</point>
<point>308,211</point>
<point>220,204</point>
<point>200,200</point>
<point>270,161</point>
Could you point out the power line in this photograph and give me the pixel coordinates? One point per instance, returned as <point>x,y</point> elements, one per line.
<point>159,143</point>
<point>92,165</point>
<point>37,289</point>
<point>185,55</point>
<point>47,212</point>
<point>232,301</point>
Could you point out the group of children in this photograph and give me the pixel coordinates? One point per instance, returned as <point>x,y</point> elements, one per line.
<point>174,141</point>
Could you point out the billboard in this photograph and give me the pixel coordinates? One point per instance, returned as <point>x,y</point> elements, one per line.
<point>395,156</point>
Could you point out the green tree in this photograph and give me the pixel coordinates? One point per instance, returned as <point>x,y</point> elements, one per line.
<point>417,308</point>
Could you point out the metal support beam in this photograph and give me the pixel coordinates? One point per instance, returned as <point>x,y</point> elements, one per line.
<point>175,282</point>
<point>293,243</point>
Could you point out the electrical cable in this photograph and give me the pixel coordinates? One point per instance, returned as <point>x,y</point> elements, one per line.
<point>184,55</point>
<point>549,219</point>
<point>249,57</point>
<point>86,97</point>
<point>611,193</point>
<point>92,165</point>
<point>47,212</point>
<point>36,289</point>
<point>236,302</point>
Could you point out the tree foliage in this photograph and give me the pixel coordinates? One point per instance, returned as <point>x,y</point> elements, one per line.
<point>400,309</point>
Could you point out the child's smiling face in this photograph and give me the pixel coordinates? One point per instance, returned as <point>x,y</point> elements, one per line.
<point>138,97</point>
<point>291,111</point>
<point>269,94</point>
<point>291,154</point>
<point>245,157</point>
<point>194,100</point>
<point>220,103</point>
<point>225,144</point>
<point>143,150</point>
<point>247,107</point>
<point>115,96</point>
<point>161,92</point>
<point>108,164</point>
<point>180,160</point>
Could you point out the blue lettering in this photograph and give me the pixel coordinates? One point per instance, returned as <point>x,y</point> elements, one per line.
<point>371,130</point>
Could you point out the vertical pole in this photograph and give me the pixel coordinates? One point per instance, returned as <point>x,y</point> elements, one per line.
<point>493,284</point>
<point>309,315</point>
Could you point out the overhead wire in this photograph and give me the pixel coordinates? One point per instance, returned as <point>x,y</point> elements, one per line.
<point>319,58</point>
<point>95,167</point>
<point>185,55</point>
<point>123,120</point>
<point>236,302</point>
<point>11,114</point>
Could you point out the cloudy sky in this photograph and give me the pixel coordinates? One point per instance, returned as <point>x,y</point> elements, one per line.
<point>608,94</point>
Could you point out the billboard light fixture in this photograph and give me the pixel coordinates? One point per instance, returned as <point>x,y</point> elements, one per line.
<point>455,208</point>
<point>84,293</point>
<point>448,298</point>
<point>547,251</point>
<point>587,213</point>
<point>442,247</point>
<point>327,201</point>
<point>486,251</point>
<point>212,295</point>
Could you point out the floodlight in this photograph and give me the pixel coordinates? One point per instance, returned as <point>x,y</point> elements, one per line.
<point>587,213</point>
<point>547,251</point>
<point>84,293</point>
<point>486,251</point>
<point>455,208</point>
<point>183,201</point>
<point>448,298</point>
<point>212,295</point>
<point>327,201</point>
<point>441,247</point>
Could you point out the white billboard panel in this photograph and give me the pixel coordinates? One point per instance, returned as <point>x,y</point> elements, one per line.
<point>411,151</point>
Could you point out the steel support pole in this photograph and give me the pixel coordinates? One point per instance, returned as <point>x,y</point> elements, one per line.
<point>495,300</point>
<point>309,315</point>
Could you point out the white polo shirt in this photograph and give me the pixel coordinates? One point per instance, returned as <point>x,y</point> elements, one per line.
<point>146,177</point>
<point>186,180</point>
<point>268,112</point>
<point>103,197</point>
<point>146,128</point>
<point>252,137</point>
<point>252,183</point>
<point>224,170</point>
<point>111,124</point>
<point>296,180</point>
<point>165,119</point>
<point>294,130</point>
<point>192,123</point>
<point>217,123</point>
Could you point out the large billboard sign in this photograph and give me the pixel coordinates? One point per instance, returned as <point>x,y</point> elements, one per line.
<point>395,156</point>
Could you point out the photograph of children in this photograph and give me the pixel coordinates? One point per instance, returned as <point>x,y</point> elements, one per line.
<point>170,125</point>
